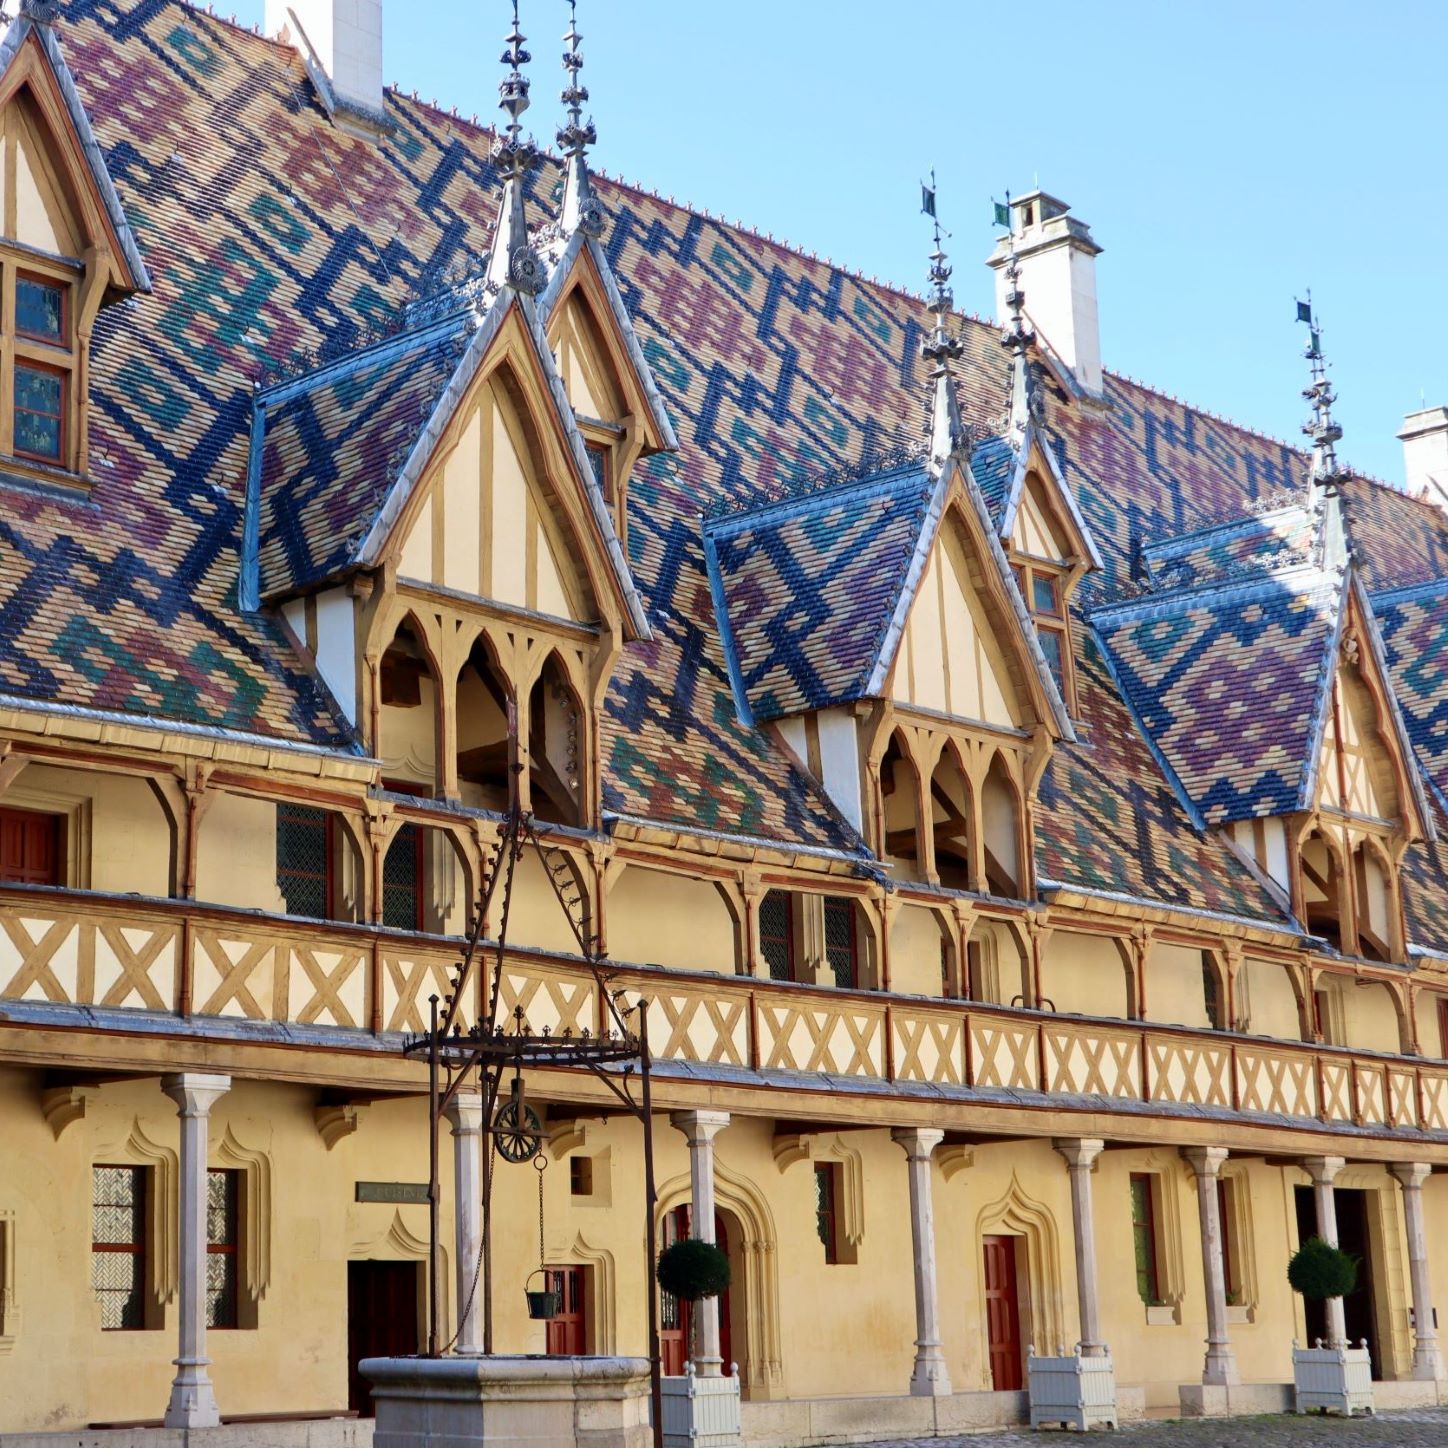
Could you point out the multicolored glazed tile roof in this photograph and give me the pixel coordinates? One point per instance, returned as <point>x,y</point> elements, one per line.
<point>267,232</point>
<point>1414,626</point>
<point>806,588</point>
<point>333,443</point>
<point>1227,683</point>
<point>1259,542</point>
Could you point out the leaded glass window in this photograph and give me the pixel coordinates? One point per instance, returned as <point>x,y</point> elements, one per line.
<point>118,1245</point>
<point>402,880</point>
<point>776,940</point>
<point>304,860</point>
<point>39,412</point>
<point>841,948</point>
<point>1143,1236</point>
<point>222,1221</point>
<point>40,309</point>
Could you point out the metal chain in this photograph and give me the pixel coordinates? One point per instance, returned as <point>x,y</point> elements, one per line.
<point>540,1165</point>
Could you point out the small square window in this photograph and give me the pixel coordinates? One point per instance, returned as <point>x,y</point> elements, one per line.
<point>39,412</point>
<point>40,309</point>
<point>580,1176</point>
<point>1045,594</point>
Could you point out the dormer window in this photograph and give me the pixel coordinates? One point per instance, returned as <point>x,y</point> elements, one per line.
<point>40,376</point>
<point>600,459</point>
<point>1043,586</point>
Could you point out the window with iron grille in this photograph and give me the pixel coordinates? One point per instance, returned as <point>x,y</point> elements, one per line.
<point>827,1185</point>
<point>118,1245</point>
<point>841,941</point>
<point>223,1194</point>
<point>402,880</point>
<point>776,936</point>
<point>305,840</point>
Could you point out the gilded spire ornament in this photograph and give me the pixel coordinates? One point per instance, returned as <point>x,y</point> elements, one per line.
<point>947,431</point>
<point>513,261</point>
<point>581,209</point>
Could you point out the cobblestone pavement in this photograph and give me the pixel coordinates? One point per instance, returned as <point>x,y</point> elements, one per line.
<point>1426,1428</point>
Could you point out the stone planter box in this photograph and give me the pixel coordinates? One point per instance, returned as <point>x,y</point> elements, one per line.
<point>701,1412</point>
<point>1072,1391</point>
<point>1332,1379</point>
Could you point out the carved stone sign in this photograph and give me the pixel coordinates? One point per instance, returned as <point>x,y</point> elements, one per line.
<point>392,1192</point>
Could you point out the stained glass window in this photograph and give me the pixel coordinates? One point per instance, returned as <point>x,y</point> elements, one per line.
<point>39,309</point>
<point>840,941</point>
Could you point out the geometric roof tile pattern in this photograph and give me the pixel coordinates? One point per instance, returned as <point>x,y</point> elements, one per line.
<point>267,233</point>
<point>807,587</point>
<point>1273,539</point>
<point>1414,626</point>
<point>333,444</point>
<point>1228,682</point>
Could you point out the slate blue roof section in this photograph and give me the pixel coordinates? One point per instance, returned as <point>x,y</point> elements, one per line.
<point>992,465</point>
<point>806,588</point>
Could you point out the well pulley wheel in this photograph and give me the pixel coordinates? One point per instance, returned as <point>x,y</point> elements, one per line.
<point>518,1131</point>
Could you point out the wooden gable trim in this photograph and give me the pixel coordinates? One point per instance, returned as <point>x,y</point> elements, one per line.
<point>1035,457</point>
<point>586,283</point>
<point>994,591</point>
<point>511,351</point>
<point>30,72</point>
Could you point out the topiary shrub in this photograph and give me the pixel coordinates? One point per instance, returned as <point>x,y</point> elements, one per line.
<point>691,1270</point>
<point>1318,1270</point>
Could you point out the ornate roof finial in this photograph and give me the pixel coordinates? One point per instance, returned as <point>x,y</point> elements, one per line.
<point>1016,337</point>
<point>513,261</point>
<point>1320,427</point>
<point>940,348</point>
<point>581,211</point>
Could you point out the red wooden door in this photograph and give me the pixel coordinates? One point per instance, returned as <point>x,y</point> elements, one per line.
<point>382,1320</point>
<point>1002,1313</point>
<point>568,1332</point>
<point>30,847</point>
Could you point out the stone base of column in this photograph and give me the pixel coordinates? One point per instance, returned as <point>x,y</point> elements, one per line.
<point>1428,1365</point>
<point>1220,1369</point>
<point>193,1399</point>
<point>931,1379</point>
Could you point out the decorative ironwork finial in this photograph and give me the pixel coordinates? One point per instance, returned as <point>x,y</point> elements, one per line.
<point>581,210</point>
<point>941,348</point>
<point>513,261</point>
<point>1016,337</point>
<point>1320,427</point>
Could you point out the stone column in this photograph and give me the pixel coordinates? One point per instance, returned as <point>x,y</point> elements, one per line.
<point>930,1378</point>
<point>1081,1155</point>
<point>1427,1358</point>
<point>193,1400</point>
<point>1221,1364</point>
<point>465,1115</point>
<point>700,1128</point>
<point>1323,1170</point>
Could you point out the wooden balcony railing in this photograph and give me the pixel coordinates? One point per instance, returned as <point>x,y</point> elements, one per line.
<point>194,960</point>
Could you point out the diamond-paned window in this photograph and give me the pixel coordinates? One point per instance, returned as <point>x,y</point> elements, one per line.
<point>304,860</point>
<point>222,1220</point>
<point>402,880</point>
<point>841,941</point>
<point>776,938</point>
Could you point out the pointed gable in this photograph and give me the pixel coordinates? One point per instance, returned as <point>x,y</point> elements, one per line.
<point>56,194</point>
<point>449,450</point>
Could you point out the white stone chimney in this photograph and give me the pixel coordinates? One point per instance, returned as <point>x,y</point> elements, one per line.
<point>1057,258</point>
<point>1425,454</point>
<point>340,42</point>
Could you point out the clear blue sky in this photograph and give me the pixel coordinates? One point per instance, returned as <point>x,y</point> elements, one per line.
<point>1226,155</point>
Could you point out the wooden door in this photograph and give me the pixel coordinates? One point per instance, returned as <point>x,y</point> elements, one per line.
<point>568,1332</point>
<point>675,1317</point>
<point>32,847</point>
<point>1002,1313</point>
<point>382,1320</point>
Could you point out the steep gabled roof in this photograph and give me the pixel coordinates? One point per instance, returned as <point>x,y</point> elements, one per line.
<point>806,588</point>
<point>1034,447</point>
<point>25,36</point>
<point>337,452</point>
<point>1227,683</point>
<point>1274,538</point>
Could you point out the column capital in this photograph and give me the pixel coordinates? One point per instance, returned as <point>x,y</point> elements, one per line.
<point>465,1113</point>
<point>195,1092</point>
<point>1412,1174</point>
<point>1323,1169</point>
<point>917,1142</point>
<point>1080,1151</point>
<point>1206,1161</point>
<point>699,1126</point>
